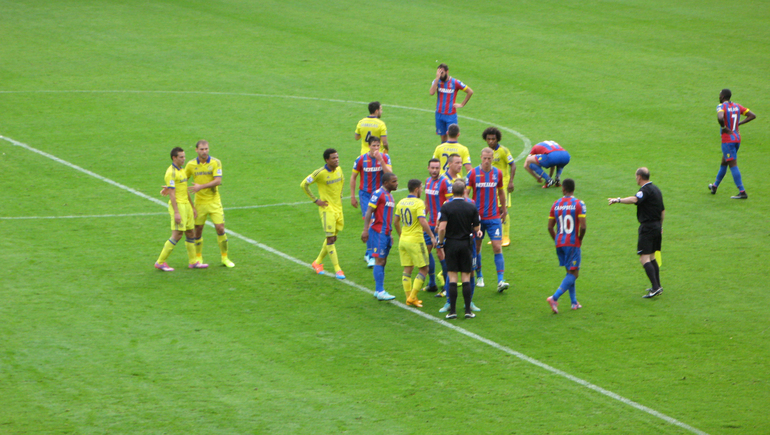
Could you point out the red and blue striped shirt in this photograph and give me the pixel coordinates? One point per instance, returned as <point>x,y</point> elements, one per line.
<point>384,205</point>
<point>733,112</point>
<point>447,94</point>
<point>546,147</point>
<point>566,211</point>
<point>436,193</point>
<point>485,185</point>
<point>371,172</point>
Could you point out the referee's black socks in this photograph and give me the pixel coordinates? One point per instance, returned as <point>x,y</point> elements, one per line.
<point>649,268</point>
<point>467,296</point>
<point>657,273</point>
<point>453,297</point>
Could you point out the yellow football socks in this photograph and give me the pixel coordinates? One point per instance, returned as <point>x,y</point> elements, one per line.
<point>406,281</point>
<point>167,248</point>
<point>192,256</point>
<point>222,241</point>
<point>322,254</point>
<point>418,282</point>
<point>330,249</point>
<point>507,228</point>
<point>199,247</point>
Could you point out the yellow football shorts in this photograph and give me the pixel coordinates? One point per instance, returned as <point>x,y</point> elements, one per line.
<point>188,221</point>
<point>213,209</point>
<point>413,253</point>
<point>332,220</point>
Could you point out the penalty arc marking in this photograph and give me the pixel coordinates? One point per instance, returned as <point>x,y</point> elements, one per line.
<point>525,140</point>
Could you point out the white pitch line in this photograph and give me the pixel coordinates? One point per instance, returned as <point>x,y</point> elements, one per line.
<point>368,291</point>
<point>91,216</point>
<point>245,207</point>
<point>524,139</point>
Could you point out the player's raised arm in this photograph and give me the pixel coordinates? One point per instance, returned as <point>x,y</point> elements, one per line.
<point>434,85</point>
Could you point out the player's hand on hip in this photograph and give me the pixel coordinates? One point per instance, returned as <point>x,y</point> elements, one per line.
<point>458,105</point>
<point>321,203</point>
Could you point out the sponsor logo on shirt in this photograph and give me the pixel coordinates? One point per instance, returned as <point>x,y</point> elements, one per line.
<point>491,184</point>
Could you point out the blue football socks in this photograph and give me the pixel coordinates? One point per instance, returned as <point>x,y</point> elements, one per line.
<point>539,171</point>
<point>737,177</point>
<point>500,265</point>
<point>379,278</point>
<point>567,284</point>
<point>431,271</point>
<point>720,175</point>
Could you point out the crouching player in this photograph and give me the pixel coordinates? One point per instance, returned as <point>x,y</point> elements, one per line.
<point>547,154</point>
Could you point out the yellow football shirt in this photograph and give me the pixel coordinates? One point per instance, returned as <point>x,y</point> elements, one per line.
<point>202,172</point>
<point>502,159</point>
<point>176,179</point>
<point>330,185</point>
<point>445,149</point>
<point>411,209</point>
<point>367,127</point>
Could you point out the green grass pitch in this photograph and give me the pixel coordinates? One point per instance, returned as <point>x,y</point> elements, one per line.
<point>94,340</point>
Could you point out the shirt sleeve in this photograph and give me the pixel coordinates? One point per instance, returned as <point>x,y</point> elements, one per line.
<point>419,210</point>
<point>357,164</point>
<point>305,185</point>
<point>582,211</point>
<point>374,199</point>
<point>466,157</point>
<point>217,168</point>
<point>641,195</point>
<point>169,179</point>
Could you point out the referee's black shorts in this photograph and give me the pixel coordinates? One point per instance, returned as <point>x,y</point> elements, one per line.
<point>650,238</point>
<point>458,256</point>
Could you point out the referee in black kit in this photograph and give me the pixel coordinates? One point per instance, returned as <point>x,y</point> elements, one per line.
<point>650,213</point>
<point>457,219</point>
